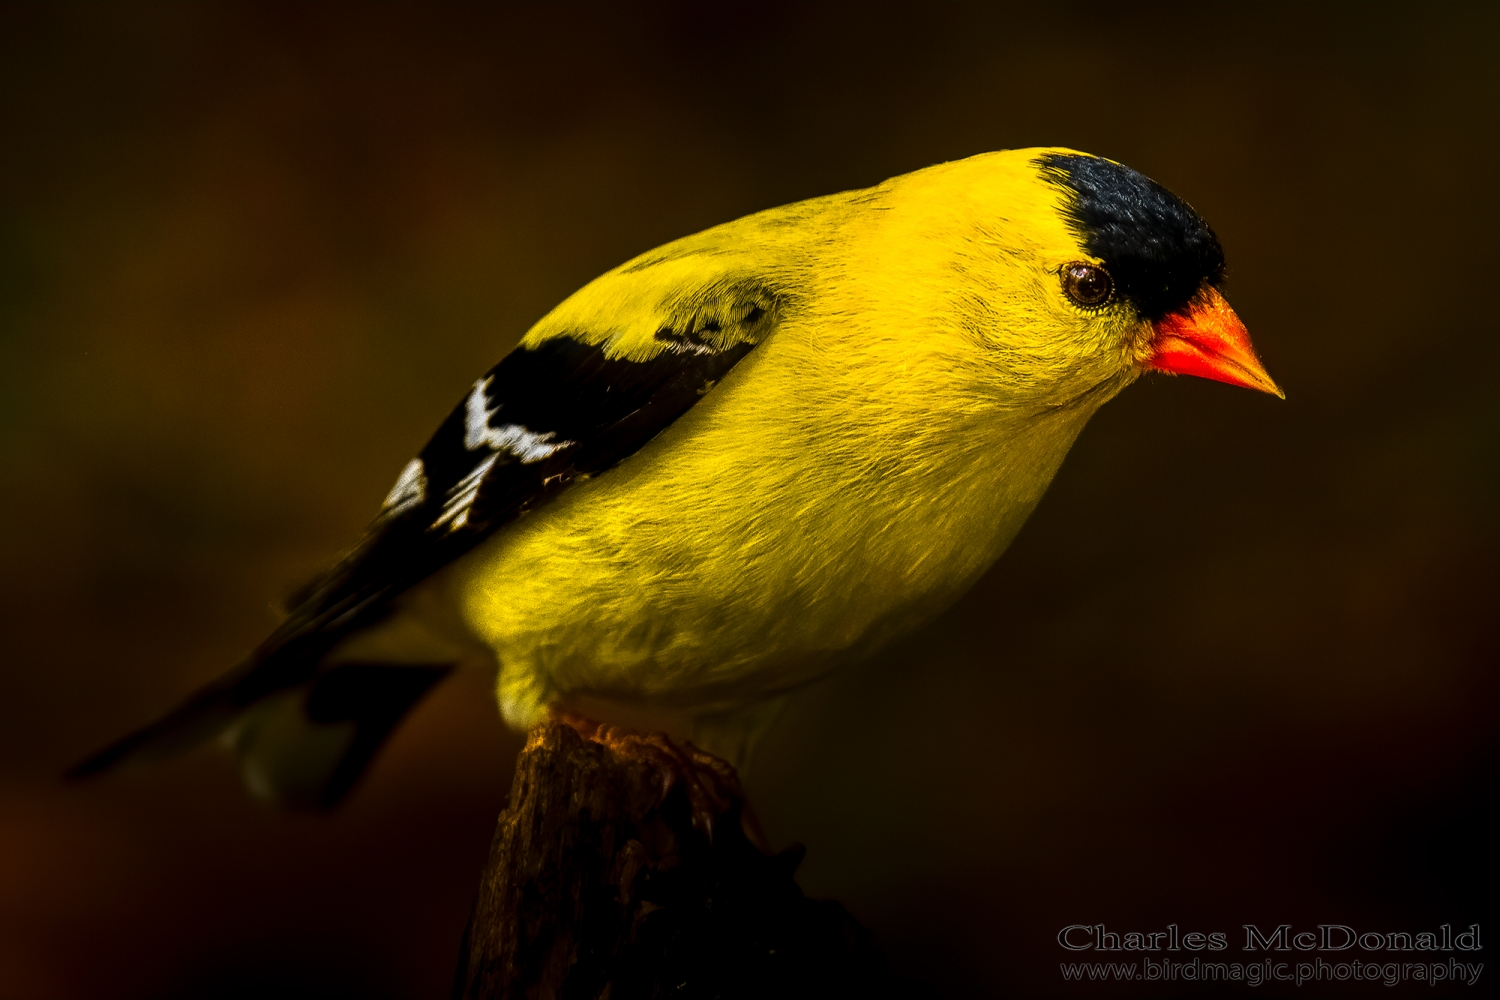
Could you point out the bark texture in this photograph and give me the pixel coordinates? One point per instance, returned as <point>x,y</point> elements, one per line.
<point>629,866</point>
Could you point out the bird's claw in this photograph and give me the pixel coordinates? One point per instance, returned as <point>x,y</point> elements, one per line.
<point>712,786</point>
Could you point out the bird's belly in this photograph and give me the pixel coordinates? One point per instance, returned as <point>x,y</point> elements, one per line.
<point>739,555</point>
<point>685,636</point>
<point>591,597</point>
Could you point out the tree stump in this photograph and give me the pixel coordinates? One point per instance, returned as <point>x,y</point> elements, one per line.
<point>629,866</point>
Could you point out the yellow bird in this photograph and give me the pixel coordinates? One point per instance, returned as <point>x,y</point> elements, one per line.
<point>729,465</point>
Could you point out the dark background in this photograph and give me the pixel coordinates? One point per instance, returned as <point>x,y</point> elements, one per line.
<point>1239,667</point>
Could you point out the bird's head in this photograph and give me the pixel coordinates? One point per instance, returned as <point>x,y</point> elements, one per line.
<point>1080,274</point>
<point>1148,253</point>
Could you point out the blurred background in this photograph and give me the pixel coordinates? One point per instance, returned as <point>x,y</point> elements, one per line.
<point>1240,667</point>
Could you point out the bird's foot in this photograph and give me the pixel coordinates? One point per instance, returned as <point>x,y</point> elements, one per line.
<point>712,786</point>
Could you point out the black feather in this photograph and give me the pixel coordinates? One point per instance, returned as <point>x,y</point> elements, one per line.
<point>372,696</point>
<point>1159,251</point>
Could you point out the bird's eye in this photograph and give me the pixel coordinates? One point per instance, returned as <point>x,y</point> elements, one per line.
<point>1088,285</point>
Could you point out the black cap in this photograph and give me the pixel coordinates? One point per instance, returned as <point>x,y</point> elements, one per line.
<point>1159,251</point>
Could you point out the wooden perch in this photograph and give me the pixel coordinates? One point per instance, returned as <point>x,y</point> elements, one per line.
<point>629,866</point>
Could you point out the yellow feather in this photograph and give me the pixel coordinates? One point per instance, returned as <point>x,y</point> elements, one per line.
<point>918,380</point>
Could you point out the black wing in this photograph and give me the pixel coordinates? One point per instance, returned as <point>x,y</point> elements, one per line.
<point>530,427</point>
<point>540,420</point>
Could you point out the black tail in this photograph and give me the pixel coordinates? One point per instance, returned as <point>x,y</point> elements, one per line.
<point>303,746</point>
<point>203,717</point>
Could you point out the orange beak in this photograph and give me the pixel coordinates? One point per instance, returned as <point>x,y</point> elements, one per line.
<point>1205,338</point>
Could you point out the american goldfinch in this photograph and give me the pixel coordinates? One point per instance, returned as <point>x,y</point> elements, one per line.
<point>738,460</point>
